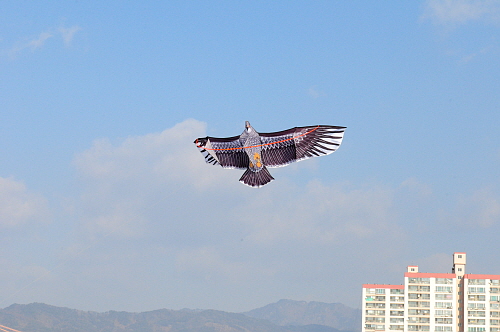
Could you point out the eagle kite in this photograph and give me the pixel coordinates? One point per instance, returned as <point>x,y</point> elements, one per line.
<point>255,151</point>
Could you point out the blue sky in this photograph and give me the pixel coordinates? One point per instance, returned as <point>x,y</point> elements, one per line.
<point>105,203</point>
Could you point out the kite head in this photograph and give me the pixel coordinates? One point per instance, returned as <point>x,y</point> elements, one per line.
<point>248,127</point>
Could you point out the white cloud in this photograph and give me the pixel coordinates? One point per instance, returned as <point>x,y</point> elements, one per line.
<point>32,44</point>
<point>479,210</point>
<point>162,175</point>
<point>470,57</point>
<point>159,158</point>
<point>314,92</point>
<point>18,205</point>
<point>123,179</point>
<point>482,209</point>
<point>156,194</point>
<point>452,12</point>
<point>40,41</point>
<point>68,34</point>
<point>320,214</point>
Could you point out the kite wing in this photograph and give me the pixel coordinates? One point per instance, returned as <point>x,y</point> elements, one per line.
<point>299,143</point>
<point>227,152</point>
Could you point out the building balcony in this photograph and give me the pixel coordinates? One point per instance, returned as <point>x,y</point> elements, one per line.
<point>397,306</point>
<point>412,304</point>
<point>476,314</point>
<point>418,328</point>
<point>426,289</point>
<point>375,298</point>
<point>397,299</point>
<point>418,320</point>
<point>476,321</point>
<point>418,312</point>
<point>397,313</point>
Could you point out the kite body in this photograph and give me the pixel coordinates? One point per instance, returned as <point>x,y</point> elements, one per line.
<point>255,151</point>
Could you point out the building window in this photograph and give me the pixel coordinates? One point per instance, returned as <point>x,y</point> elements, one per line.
<point>476,306</point>
<point>375,320</point>
<point>413,288</point>
<point>444,296</point>
<point>397,313</point>
<point>375,312</point>
<point>375,298</point>
<point>424,281</point>
<point>477,290</point>
<point>443,313</point>
<point>419,320</point>
<point>476,329</point>
<point>446,305</point>
<point>419,312</point>
<point>419,296</point>
<point>397,299</point>
<point>444,281</point>
<point>477,282</point>
<point>476,321</point>
<point>476,297</point>
<point>444,320</point>
<point>444,289</point>
<point>396,327</point>
<point>475,313</point>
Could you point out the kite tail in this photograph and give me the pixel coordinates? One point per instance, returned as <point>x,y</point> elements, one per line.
<point>256,179</point>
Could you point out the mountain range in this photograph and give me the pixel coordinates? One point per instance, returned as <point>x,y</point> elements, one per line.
<point>282,316</point>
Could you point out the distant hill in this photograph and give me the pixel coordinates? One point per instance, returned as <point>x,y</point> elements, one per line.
<point>288,312</point>
<point>39,317</point>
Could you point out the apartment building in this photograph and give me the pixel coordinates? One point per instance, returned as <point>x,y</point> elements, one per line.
<point>441,302</point>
